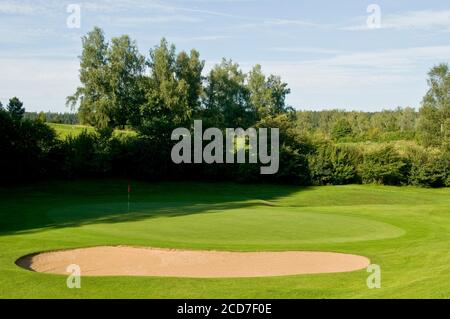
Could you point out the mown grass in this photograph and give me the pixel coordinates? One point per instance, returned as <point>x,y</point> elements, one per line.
<point>405,230</point>
<point>65,130</point>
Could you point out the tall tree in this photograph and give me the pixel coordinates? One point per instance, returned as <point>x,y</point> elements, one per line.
<point>167,96</point>
<point>92,95</point>
<point>125,70</point>
<point>189,68</point>
<point>434,123</point>
<point>407,119</point>
<point>15,109</point>
<point>267,96</point>
<point>226,98</point>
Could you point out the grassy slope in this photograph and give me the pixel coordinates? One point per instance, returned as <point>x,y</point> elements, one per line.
<point>405,230</point>
<point>65,130</point>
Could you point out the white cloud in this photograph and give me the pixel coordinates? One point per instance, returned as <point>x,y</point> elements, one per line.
<point>393,59</point>
<point>42,84</point>
<point>206,38</point>
<point>127,22</point>
<point>305,50</point>
<point>33,7</point>
<point>9,7</point>
<point>356,77</point>
<point>418,20</point>
<point>411,20</point>
<point>289,22</point>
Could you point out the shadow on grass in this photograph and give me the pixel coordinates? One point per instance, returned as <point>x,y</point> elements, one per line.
<point>60,204</point>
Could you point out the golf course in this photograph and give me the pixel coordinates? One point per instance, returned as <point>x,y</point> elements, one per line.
<point>404,230</point>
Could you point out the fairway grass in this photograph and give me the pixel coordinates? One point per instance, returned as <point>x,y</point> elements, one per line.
<point>405,230</point>
<point>63,131</point>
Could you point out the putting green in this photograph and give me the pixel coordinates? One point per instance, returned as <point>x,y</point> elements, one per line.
<point>404,230</point>
<point>257,226</point>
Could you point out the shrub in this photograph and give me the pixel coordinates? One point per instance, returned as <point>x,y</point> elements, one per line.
<point>384,166</point>
<point>85,155</point>
<point>333,164</point>
<point>24,148</point>
<point>428,167</point>
<point>341,129</point>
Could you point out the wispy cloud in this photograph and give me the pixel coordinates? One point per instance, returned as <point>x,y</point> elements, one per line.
<point>393,58</point>
<point>355,70</point>
<point>305,50</point>
<point>130,22</point>
<point>17,7</point>
<point>41,84</point>
<point>418,20</point>
<point>282,27</point>
<point>411,20</point>
<point>193,39</point>
<point>153,5</point>
<point>290,22</point>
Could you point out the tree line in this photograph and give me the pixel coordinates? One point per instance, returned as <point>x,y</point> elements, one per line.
<point>120,88</point>
<point>53,117</point>
<point>167,89</point>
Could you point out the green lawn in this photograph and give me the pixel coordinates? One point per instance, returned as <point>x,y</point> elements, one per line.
<point>404,230</point>
<point>65,130</point>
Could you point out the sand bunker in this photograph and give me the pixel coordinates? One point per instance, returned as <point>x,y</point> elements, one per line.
<point>132,261</point>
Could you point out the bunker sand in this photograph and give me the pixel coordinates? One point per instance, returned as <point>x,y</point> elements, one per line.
<point>134,261</point>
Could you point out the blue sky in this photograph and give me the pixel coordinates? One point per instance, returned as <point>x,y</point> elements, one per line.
<point>323,49</point>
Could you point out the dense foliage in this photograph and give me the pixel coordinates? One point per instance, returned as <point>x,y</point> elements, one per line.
<point>120,88</point>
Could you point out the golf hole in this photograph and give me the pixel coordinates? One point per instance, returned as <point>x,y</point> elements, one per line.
<point>134,261</point>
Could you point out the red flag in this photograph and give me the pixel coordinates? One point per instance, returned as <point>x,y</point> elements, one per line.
<point>129,188</point>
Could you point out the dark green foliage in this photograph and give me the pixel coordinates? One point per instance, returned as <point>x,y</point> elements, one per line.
<point>227,98</point>
<point>384,166</point>
<point>446,159</point>
<point>294,148</point>
<point>428,167</point>
<point>24,147</point>
<point>86,155</point>
<point>120,88</point>
<point>333,164</point>
<point>15,109</point>
<point>171,92</point>
<point>93,95</point>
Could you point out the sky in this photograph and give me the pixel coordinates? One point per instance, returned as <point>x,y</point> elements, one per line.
<point>348,54</point>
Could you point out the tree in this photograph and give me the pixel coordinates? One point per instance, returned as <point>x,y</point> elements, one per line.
<point>341,129</point>
<point>428,167</point>
<point>41,117</point>
<point>333,164</point>
<point>294,147</point>
<point>125,68</point>
<point>167,96</point>
<point>92,95</point>
<point>384,166</point>
<point>226,98</point>
<point>434,123</point>
<point>267,96</point>
<point>189,68</point>
<point>407,119</point>
<point>15,109</point>
<point>260,95</point>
